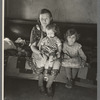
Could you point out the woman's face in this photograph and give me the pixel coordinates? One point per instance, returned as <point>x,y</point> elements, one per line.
<point>45,19</point>
<point>71,39</point>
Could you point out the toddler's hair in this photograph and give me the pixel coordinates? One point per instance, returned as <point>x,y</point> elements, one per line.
<point>52,27</point>
<point>71,32</point>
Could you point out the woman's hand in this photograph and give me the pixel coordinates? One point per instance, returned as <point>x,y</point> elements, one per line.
<point>34,49</point>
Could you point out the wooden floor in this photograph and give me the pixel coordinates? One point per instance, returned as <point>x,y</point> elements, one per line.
<point>23,89</point>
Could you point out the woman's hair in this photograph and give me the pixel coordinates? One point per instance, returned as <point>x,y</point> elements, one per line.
<point>71,32</point>
<point>44,11</point>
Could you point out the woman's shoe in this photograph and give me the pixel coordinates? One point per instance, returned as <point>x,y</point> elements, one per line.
<point>42,90</point>
<point>50,92</point>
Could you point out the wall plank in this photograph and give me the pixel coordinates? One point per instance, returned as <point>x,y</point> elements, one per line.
<point>78,11</point>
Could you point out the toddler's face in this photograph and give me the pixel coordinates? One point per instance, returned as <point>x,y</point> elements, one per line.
<point>50,33</point>
<point>71,39</point>
<point>44,19</point>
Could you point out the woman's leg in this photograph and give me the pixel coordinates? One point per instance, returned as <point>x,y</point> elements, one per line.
<point>40,76</point>
<point>40,62</point>
<point>41,79</point>
<point>54,73</point>
<point>51,77</point>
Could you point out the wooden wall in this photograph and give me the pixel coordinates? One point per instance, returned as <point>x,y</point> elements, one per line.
<point>77,11</point>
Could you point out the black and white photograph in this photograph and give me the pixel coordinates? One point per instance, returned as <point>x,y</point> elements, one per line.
<point>49,50</point>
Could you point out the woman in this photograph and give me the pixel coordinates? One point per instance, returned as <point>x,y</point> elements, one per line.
<point>37,34</point>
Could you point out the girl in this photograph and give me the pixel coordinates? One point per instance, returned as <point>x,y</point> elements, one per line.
<point>37,34</point>
<point>74,57</point>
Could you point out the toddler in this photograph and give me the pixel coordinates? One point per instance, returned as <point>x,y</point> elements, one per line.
<point>50,47</point>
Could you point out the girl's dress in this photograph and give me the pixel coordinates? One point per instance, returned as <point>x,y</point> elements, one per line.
<point>74,56</point>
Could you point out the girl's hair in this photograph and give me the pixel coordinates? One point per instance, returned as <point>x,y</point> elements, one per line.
<point>44,11</point>
<point>52,27</point>
<point>71,32</point>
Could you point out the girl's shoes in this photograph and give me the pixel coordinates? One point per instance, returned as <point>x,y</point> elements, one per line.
<point>69,84</point>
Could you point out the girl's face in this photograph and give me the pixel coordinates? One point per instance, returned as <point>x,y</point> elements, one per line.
<point>45,19</point>
<point>50,33</point>
<point>71,39</point>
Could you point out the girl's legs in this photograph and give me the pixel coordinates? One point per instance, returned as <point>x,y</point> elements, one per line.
<point>74,73</point>
<point>69,77</point>
<point>68,72</point>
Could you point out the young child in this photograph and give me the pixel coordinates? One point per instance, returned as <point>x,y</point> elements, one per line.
<point>74,57</point>
<point>50,47</point>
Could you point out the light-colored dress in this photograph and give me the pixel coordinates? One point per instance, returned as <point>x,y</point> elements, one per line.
<point>74,56</point>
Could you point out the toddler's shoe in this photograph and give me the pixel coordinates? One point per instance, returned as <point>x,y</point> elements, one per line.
<point>49,70</point>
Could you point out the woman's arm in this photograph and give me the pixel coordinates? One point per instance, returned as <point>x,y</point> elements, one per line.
<point>34,49</point>
<point>33,39</point>
<point>33,36</point>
